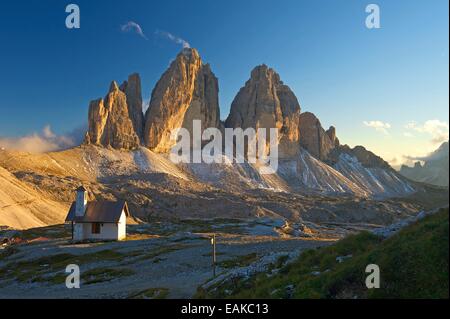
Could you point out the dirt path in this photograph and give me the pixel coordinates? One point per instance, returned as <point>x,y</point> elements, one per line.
<point>178,265</point>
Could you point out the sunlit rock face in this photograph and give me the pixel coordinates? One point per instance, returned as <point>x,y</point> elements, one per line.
<point>96,121</point>
<point>187,91</point>
<point>314,138</point>
<point>109,120</point>
<point>265,102</point>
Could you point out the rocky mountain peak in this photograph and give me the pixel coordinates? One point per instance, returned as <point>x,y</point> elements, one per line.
<point>133,92</point>
<point>189,53</point>
<point>114,87</point>
<point>331,132</point>
<point>263,72</point>
<point>265,102</point>
<point>318,142</point>
<point>110,123</point>
<point>187,91</point>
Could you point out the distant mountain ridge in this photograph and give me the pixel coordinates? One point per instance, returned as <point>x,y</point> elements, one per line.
<point>434,170</point>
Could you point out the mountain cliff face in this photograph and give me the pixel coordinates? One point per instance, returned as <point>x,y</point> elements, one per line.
<point>434,170</point>
<point>318,142</point>
<point>265,102</point>
<point>110,123</point>
<point>187,91</point>
<point>133,92</point>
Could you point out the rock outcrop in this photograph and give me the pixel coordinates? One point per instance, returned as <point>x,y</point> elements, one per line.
<point>367,158</point>
<point>318,142</point>
<point>265,102</point>
<point>110,124</point>
<point>331,132</point>
<point>133,92</point>
<point>187,91</point>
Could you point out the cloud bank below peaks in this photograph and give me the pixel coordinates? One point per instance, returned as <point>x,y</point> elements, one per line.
<point>44,141</point>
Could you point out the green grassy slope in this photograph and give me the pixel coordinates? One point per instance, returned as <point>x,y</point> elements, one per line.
<point>413,264</point>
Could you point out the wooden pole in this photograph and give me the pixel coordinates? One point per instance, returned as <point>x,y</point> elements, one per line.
<point>213,242</point>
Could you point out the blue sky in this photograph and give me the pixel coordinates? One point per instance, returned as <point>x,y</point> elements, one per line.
<point>386,89</point>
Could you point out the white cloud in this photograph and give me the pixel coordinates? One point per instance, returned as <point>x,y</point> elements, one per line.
<point>45,141</point>
<point>135,27</point>
<point>173,38</point>
<point>408,134</point>
<point>378,126</point>
<point>437,129</point>
<point>397,162</point>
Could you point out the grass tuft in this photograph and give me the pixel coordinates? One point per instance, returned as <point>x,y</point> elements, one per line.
<point>413,264</point>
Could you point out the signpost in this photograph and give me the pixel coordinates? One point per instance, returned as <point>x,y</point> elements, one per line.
<point>213,244</point>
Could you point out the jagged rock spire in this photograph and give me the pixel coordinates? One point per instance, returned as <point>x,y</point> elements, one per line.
<point>133,92</point>
<point>188,90</point>
<point>110,122</point>
<point>266,102</point>
<point>318,142</point>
